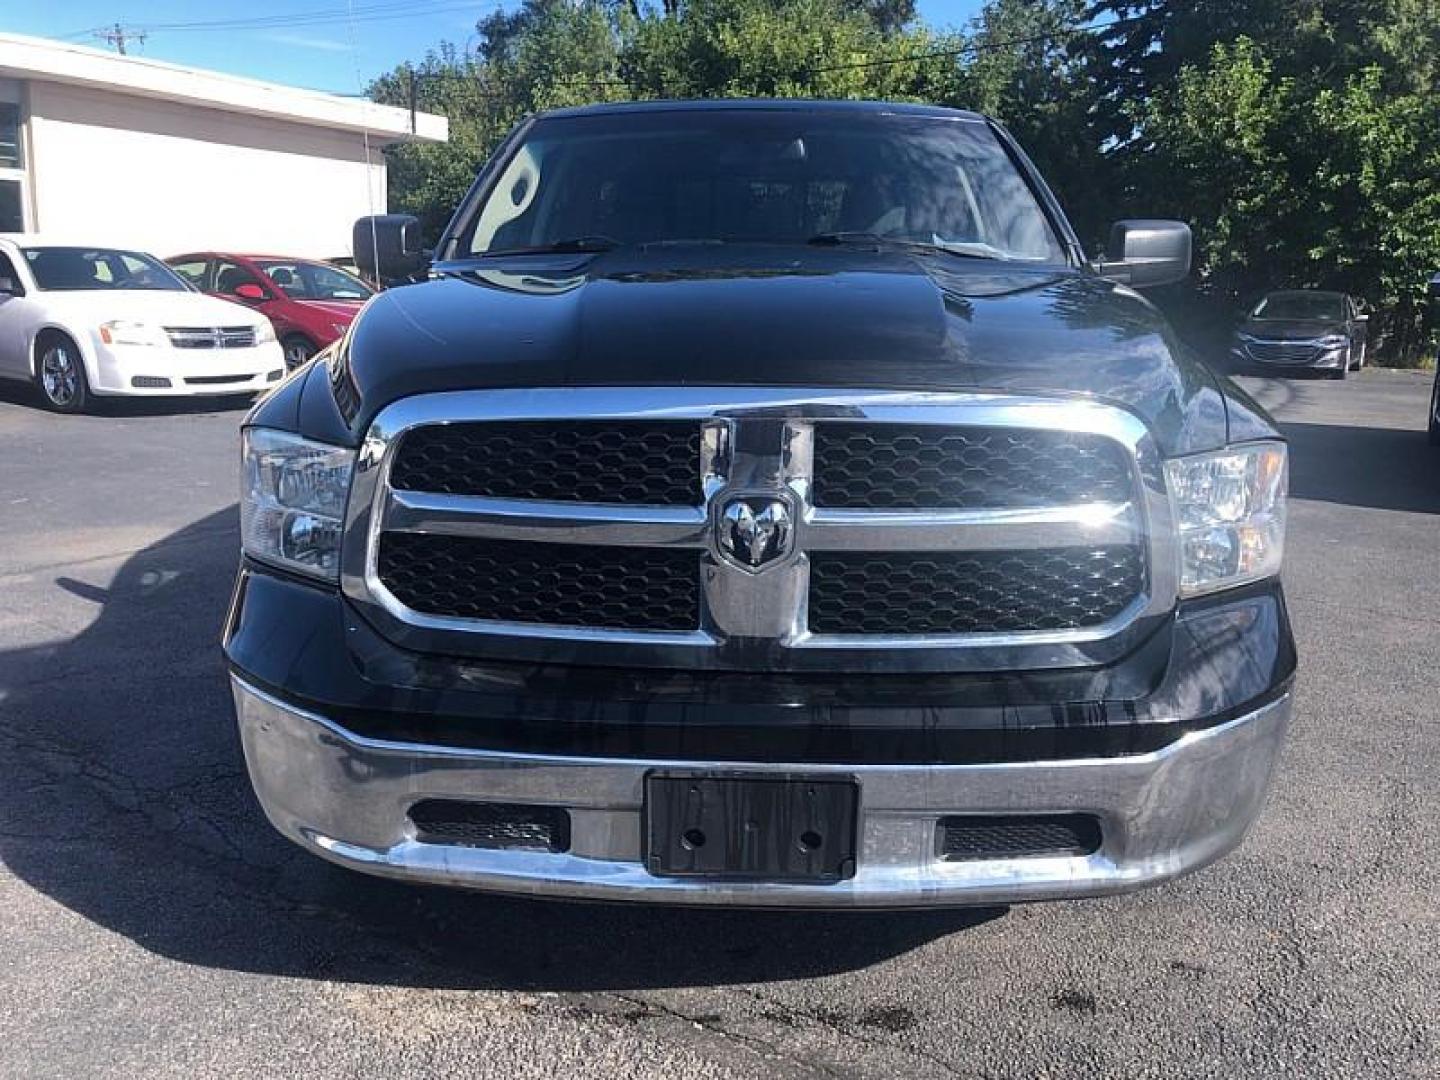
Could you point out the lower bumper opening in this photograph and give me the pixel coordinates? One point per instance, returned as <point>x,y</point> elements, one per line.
<point>972,838</point>
<point>491,825</point>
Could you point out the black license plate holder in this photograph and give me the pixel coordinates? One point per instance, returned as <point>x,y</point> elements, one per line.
<point>750,828</point>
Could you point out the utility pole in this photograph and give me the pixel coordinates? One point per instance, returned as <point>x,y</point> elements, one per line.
<point>117,36</point>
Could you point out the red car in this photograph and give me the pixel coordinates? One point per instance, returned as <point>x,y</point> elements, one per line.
<point>309,302</point>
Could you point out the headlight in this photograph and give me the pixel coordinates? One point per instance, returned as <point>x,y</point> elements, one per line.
<point>264,332</point>
<point>292,500</point>
<point>1334,341</point>
<point>1230,510</point>
<point>127,332</point>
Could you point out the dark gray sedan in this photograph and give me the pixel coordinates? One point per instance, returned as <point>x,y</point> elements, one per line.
<point>1303,328</point>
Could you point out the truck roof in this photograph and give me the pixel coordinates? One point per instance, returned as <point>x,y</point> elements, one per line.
<point>766,105</point>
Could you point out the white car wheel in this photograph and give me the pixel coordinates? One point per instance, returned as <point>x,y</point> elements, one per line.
<point>60,374</point>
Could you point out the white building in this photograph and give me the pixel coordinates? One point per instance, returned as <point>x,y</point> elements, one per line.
<point>130,152</point>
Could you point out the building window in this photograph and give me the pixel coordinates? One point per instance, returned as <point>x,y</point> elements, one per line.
<point>10,154</point>
<point>12,206</point>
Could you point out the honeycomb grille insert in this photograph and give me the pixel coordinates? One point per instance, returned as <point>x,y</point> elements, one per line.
<point>491,825</point>
<point>969,838</point>
<point>601,461</point>
<point>972,592</point>
<point>918,466</point>
<point>554,584</point>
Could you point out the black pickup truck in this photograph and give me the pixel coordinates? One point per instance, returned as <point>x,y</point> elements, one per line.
<point>763,503</point>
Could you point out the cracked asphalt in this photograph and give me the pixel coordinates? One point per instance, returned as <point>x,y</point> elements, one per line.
<point>152,924</point>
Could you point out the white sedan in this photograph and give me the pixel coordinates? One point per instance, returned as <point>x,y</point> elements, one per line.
<point>81,321</point>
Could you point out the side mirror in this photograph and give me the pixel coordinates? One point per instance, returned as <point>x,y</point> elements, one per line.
<point>387,247</point>
<point>1433,290</point>
<point>10,287</point>
<point>1143,252</point>
<point>250,293</point>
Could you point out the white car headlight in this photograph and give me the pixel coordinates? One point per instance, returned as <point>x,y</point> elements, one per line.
<point>1230,512</point>
<point>292,500</point>
<point>264,332</point>
<point>1334,341</point>
<point>129,332</point>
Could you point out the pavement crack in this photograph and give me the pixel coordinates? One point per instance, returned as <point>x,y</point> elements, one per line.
<point>706,1023</point>
<point>836,1023</point>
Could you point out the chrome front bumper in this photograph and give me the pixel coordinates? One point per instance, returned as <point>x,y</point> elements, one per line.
<point>1161,814</point>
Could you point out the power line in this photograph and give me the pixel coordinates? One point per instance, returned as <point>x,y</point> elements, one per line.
<point>320,17</point>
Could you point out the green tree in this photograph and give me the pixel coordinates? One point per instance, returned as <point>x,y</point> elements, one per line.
<point>773,48</point>
<point>1297,136</point>
<point>428,180</point>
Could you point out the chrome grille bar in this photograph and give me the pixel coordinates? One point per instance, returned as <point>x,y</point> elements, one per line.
<point>824,530</point>
<point>211,337</point>
<point>761,443</point>
<point>971,530</point>
<point>545,522</point>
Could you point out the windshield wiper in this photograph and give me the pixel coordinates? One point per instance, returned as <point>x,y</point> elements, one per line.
<point>573,246</point>
<point>964,248</point>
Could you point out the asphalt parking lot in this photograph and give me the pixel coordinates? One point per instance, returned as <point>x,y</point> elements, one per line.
<point>151,923</point>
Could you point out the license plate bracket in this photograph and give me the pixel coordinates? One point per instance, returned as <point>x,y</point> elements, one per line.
<point>741,827</point>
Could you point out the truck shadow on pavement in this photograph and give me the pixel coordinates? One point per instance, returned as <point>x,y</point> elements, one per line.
<point>1378,468</point>
<point>125,799</point>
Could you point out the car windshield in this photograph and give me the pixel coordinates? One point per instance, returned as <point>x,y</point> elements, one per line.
<point>313,281</point>
<point>756,176</point>
<point>78,269</point>
<point>1300,305</point>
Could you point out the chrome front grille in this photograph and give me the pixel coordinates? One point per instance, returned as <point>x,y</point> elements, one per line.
<point>742,528</point>
<point>211,337</point>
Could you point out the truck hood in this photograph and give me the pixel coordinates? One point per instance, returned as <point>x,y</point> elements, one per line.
<point>781,316</point>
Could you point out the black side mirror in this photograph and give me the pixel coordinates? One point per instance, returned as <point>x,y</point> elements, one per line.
<point>387,247</point>
<point>1144,252</point>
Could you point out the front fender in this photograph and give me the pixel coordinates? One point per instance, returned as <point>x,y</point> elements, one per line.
<point>82,339</point>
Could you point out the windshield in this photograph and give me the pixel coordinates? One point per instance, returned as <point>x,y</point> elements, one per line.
<point>313,281</point>
<point>77,269</point>
<point>769,177</point>
<point>1300,305</point>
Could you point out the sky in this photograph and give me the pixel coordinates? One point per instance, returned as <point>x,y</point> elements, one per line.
<point>331,45</point>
